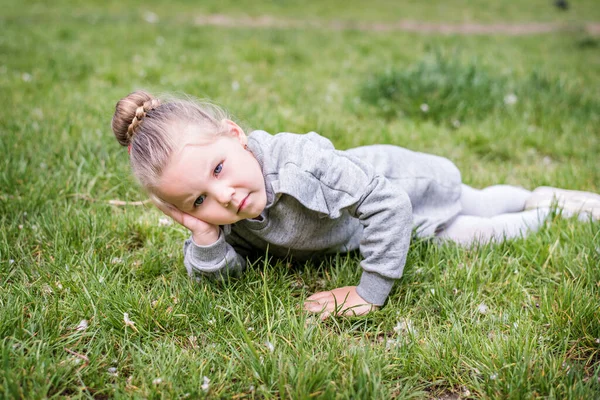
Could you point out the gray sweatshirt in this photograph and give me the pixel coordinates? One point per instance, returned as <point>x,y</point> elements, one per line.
<point>322,201</point>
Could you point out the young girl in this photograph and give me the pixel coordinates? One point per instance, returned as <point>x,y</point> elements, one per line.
<point>298,196</point>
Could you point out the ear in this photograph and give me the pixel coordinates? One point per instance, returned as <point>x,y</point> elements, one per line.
<point>236,131</point>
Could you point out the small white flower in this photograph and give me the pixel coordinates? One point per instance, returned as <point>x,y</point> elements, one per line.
<point>405,326</point>
<point>26,77</point>
<point>432,291</point>
<point>101,279</point>
<point>59,285</point>
<point>547,160</point>
<point>205,384</point>
<point>150,17</point>
<point>157,381</point>
<point>112,371</point>
<point>456,123</point>
<point>424,107</point>
<point>34,227</point>
<point>270,346</point>
<point>164,221</point>
<point>116,260</point>
<point>251,388</point>
<point>598,340</point>
<point>482,308</point>
<point>11,261</point>
<point>235,86</point>
<point>83,325</point>
<point>510,99</point>
<point>20,226</point>
<point>24,213</point>
<point>250,329</point>
<point>127,321</point>
<point>515,325</point>
<point>211,321</point>
<point>494,376</point>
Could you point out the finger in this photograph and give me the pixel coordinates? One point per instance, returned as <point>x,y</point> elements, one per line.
<point>323,310</point>
<point>165,208</point>
<point>314,306</point>
<point>328,301</point>
<point>172,212</point>
<point>324,315</point>
<point>321,295</point>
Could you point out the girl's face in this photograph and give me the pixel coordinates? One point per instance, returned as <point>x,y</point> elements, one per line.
<point>219,183</point>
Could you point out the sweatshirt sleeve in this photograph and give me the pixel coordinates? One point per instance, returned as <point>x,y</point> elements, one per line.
<point>385,212</point>
<point>216,261</point>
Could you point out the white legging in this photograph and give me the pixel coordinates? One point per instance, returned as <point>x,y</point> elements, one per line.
<point>493,214</point>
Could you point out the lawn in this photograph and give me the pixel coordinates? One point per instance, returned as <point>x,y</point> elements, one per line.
<point>516,320</point>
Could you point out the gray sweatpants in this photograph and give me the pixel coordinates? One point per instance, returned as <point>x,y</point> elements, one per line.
<point>493,214</point>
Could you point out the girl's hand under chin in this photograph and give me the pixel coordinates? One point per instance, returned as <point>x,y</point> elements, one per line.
<point>340,301</point>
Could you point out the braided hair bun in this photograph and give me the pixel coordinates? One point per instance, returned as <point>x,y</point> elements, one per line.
<point>129,114</point>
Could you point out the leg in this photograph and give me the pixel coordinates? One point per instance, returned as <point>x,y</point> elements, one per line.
<point>493,200</point>
<point>469,229</point>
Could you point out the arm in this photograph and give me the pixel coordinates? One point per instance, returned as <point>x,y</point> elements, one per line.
<point>218,260</point>
<point>383,209</point>
<point>332,183</point>
<point>205,253</point>
<point>385,212</point>
<point>386,215</point>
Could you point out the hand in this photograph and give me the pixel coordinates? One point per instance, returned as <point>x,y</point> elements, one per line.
<point>340,301</point>
<point>203,233</point>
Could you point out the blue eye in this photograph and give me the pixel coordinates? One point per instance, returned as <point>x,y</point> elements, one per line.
<point>218,169</point>
<point>199,200</point>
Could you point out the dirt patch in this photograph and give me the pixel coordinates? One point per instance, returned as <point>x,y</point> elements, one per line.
<point>266,21</point>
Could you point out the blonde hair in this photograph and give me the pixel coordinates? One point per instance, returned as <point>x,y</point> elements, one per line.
<point>153,130</point>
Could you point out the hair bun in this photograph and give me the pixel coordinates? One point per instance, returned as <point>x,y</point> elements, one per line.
<point>129,113</point>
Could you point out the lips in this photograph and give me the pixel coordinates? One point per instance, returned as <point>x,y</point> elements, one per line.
<point>243,203</point>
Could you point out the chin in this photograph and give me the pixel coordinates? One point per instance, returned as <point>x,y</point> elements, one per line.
<point>252,216</point>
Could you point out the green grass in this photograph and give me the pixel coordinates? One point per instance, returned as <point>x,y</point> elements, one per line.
<point>457,11</point>
<point>66,255</point>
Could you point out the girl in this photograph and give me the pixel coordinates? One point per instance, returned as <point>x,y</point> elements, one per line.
<point>299,196</point>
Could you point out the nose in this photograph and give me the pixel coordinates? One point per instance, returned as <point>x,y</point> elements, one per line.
<point>224,194</point>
